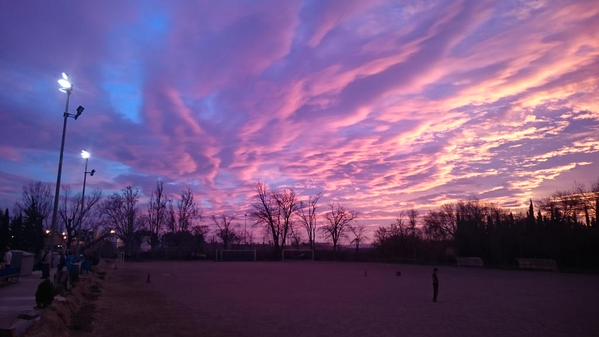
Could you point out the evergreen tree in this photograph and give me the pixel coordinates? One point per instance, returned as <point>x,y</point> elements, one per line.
<point>531,215</point>
<point>4,229</point>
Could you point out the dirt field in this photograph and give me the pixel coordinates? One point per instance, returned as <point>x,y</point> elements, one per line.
<point>337,299</point>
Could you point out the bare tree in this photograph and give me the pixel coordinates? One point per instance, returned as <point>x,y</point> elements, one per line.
<point>585,202</point>
<point>171,218</point>
<point>287,206</point>
<point>396,230</point>
<point>224,229</point>
<point>308,218</point>
<point>157,209</point>
<point>32,212</point>
<point>73,214</point>
<point>121,210</point>
<point>35,203</point>
<point>274,210</point>
<point>359,234</point>
<point>265,212</point>
<point>200,230</point>
<point>187,210</point>
<point>568,206</point>
<point>412,222</point>
<point>441,224</point>
<point>339,219</point>
<point>595,191</point>
<point>296,238</point>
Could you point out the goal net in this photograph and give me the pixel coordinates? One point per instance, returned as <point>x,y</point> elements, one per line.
<point>297,254</point>
<point>236,255</point>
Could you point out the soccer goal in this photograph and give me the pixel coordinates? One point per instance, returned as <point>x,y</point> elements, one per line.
<point>297,255</point>
<point>236,255</point>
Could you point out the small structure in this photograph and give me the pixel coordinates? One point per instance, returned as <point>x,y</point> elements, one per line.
<point>469,261</point>
<point>23,262</point>
<point>537,264</point>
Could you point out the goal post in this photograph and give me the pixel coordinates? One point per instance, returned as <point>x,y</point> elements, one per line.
<point>297,255</point>
<point>235,255</point>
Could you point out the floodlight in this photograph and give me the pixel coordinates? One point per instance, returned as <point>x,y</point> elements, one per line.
<point>65,84</point>
<point>92,172</point>
<point>85,154</point>
<point>79,111</point>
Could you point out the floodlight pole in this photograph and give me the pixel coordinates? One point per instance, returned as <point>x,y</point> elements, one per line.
<point>57,191</point>
<point>83,192</point>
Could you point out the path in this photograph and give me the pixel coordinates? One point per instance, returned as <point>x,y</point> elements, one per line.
<point>17,298</point>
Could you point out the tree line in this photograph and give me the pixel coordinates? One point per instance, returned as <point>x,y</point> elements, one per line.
<point>173,222</point>
<point>563,226</point>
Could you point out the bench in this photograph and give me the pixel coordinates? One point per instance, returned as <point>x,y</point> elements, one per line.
<point>537,264</point>
<point>469,261</point>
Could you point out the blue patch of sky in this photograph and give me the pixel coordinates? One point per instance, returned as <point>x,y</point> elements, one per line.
<point>124,76</point>
<point>126,96</point>
<point>37,172</point>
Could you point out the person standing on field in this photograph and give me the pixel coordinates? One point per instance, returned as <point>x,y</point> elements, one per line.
<point>435,285</point>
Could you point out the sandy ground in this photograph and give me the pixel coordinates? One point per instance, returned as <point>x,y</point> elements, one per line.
<point>337,299</point>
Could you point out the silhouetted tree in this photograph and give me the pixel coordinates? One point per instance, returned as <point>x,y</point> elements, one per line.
<point>412,222</point>
<point>224,230</point>
<point>595,191</point>
<point>359,235</point>
<point>187,210</point>
<point>400,239</point>
<point>339,219</point>
<point>441,224</point>
<point>73,214</point>
<point>120,209</point>
<point>36,202</point>
<point>171,218</point>
<point>157,214</point>
<point>5,234</point>
<point>296,238</point>
<point>33,209</point>
<point>274,210</point>
<point>531,215</point>
<point>307,215</point>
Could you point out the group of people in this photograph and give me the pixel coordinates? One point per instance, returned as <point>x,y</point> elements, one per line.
<point>67,274</point>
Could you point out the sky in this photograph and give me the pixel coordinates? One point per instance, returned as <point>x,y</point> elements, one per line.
<point>382,105</point>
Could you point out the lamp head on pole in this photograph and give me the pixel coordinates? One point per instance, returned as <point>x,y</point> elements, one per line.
<point>79,112</point>
<point>65,84</point>
<point>85,154</point>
